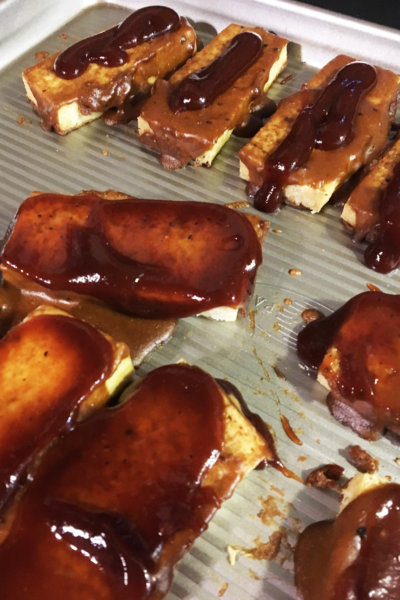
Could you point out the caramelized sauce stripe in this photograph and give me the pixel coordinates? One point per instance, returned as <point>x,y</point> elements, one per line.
<point>201,88</point>
<point>325,124</point>
<point>117,502</point>
<point>108,48</point>
<point>365,369</point>
<point>147,258</point>
<point>68,350</point>
<point>357,555</point>
<point>383,255</point>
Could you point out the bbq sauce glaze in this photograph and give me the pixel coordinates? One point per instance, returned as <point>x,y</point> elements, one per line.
<point>108,48</point>
<point>201,88</point>
<point>48,366</point>
<point>119,490</point>
<point>383,254</point>
<point>147,258</point>
<point>364,371</point>
<point>355,556</point>
<point>325,123</point>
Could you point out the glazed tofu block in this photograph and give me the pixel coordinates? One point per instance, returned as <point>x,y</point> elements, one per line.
<point>117,502</point>
<point>353,556</point>
<point>189,118</point>
<point>361,212</point>
<point>103,72</point>
<point>356,353</point>
<point>321,135</point>
<point>54,369</point>
<point>145,258</point>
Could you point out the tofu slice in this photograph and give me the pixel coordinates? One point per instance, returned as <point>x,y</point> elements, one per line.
<point>54,369</point>
<point>361,212</point>
<point>64,105</point>
<point>144,478</point>
<point>356,351</point>
<point>354,555</point>
<point>196,136</point>
<point>312,185</point>
<point>150,258</point>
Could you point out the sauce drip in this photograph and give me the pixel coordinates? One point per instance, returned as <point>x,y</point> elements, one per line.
<point>365,370</point>
<point>147,258</point>
<point>108,48</point>
<point>109,498</point>
<point>69,359</point>
<point>326,124</point>
<point>263,109</point>
<point>201,88</point>
<point>383,255</point>
<point>288,429</point>
<point>368,531</point>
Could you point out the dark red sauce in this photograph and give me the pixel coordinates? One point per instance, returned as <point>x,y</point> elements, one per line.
<point>148,258</point>
<point>263,109</point>
<point>383,254</point>
<point>107,539</point>
<point>201,88</point>
<point>108,48</point>
<point>109,498</point>
<point>357,555</point>
<point>325,124</point>
<point>77,358</point>
<point>365,333</point>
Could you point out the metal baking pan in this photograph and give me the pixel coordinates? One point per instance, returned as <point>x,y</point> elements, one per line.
<point>258,357</point>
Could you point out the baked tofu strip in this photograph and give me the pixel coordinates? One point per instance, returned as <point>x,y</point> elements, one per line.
<point>361,211</point>
<point>312,184</point>
<point>356,350</point>
<point>145,258</point>
<point>116,503</point>
<point>54,369</point>
<point>66,104</point>
<point>196,136</point>
<point>353,555</point>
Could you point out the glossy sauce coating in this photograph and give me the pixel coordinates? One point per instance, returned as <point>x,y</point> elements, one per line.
<point>108,48</point>
<point>201,88</point>
<point>325,123</point>
<point>49,365</point>
<point>383,255</point>
<point>148,258</point>
<point>357,350</point>
<point>119,492</point>
<point>355,557</point>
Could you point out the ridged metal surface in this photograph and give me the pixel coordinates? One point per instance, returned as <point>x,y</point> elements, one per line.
<point>331,272</point>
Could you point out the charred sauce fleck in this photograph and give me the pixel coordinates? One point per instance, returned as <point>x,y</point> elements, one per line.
<point>108,48</point>
<point>201,88</point>
<point>325,124</point>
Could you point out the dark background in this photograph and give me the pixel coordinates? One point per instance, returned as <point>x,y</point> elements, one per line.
<point>384,12</point>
